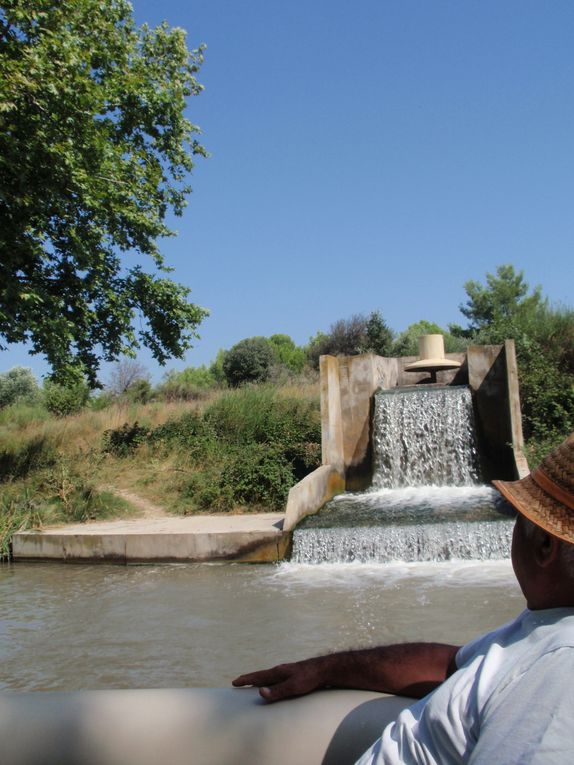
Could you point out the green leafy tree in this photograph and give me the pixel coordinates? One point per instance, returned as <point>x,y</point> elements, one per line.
<point>379,335</point>
<point>94,153</point>
<point>63,400</point>
<point>544,336</point>
<point>349,337</point>
<point>289,354</point>
<point>499,307</point>
<point>407,343</point>
<point>250,360</point>
<point>18,383</point>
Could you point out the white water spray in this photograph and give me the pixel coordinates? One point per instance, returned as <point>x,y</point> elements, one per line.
<point>426,503</point>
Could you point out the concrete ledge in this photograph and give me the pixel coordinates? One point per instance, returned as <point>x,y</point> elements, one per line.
<point>257,538</point>
<point>190,727</point>
<point>311,493</point>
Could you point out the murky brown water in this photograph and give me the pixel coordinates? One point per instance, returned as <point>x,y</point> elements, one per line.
<point>71,627</point>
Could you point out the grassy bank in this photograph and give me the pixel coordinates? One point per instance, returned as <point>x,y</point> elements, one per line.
<point>233,451</point>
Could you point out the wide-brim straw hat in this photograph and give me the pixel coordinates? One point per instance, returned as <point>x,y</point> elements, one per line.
<point>546,496</point>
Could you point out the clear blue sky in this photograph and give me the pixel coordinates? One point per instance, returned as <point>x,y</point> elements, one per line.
<point>366,155</point>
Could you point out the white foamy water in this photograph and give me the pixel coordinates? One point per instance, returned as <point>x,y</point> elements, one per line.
<point>452,573</point>
<point>424,436</point>
<point>420,542</point>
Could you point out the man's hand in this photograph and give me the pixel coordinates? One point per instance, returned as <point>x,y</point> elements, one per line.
<point>287,680</point>
<point>409,669</point>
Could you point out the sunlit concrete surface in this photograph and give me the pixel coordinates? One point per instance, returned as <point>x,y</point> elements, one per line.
<point>257,537</point>
<point>190,727</point>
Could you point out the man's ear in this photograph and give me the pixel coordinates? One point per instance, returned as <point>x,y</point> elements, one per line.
<point>545,547</point>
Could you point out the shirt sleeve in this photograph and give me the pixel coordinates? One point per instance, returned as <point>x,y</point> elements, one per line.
<point>480,644</point>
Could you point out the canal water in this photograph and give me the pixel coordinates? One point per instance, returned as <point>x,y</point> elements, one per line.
<point>67,627</point>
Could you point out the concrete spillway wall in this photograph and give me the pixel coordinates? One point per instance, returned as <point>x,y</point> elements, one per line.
<point>348,385</point>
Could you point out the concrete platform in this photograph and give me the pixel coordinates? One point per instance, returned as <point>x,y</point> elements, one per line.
<point>253,538</point>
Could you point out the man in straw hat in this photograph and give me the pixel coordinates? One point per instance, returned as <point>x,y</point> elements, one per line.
<point>506,697</point>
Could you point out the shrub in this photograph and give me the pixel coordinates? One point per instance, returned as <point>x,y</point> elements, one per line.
<point>63,400</point>
<point>17,384</point>
<point>190,384</point>
<point>23,412</point>
<point>260,415</point>
<point>260,475</point>
<point>254,476</point>
<point>139,392</point>
<point>216,368</point>
<point>288,354</point>
<point>121,441</point>
<point>189,434</point>
<point>101,401</point>
<point>250,360</point>
<point>251,446</point>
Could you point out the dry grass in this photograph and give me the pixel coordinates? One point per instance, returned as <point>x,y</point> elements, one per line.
<point>38,450</point>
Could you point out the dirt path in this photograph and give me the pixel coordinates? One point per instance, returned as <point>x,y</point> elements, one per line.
<point>146,509</point>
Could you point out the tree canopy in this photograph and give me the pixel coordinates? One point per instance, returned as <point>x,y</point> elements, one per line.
<point>502,304</point>
<point>94,153</point>
<point>348,337</point>
<point>249,360</point>
<point>407,343</point>
<point>506,307</point>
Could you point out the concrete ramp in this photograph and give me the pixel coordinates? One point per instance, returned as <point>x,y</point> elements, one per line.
<point>250,538</point>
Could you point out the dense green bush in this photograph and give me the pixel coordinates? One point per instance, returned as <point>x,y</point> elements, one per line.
<point>24,412</point>
<point>259,475</point>
<point>17,513</point>
<point>139,392</point>
<point>121,441</point>
<point>259,415</point>
<point>247,449</point>
<point>63,400</point>
<point>190,435</point>
<point>16,385</point>
<point>250,360</point>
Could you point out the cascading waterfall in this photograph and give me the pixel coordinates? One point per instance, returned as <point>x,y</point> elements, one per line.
<point>424,438</point>
<point>426,502</point>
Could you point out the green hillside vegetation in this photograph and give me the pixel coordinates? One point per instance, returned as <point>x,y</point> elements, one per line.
<point>234,450</point>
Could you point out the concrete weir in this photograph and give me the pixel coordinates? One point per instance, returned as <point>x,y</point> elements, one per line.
<point>256,538</point>
<point>348,387</point>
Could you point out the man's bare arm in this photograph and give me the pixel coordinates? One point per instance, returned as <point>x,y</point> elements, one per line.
<point>409,669</point>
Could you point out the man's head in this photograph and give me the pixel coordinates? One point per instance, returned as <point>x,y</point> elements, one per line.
<point>543,540</point>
